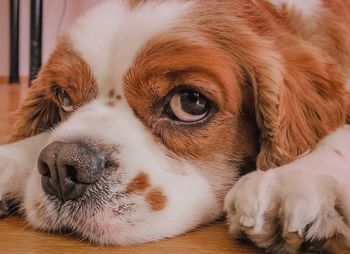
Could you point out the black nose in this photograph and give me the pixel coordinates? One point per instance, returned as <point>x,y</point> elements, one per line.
<point>68,168</point>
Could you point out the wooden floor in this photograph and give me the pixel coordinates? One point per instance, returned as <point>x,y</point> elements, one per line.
<point>17,237</point>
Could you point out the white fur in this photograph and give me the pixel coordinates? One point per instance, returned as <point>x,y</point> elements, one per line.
<point>14,172</point>
<point>301,193</point>
<point>307,7</point>
<point>109,36</point>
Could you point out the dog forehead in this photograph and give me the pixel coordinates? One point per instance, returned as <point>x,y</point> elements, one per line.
<point>109,36</point>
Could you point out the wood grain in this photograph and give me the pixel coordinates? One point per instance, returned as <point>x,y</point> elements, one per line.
<point>16,237</point>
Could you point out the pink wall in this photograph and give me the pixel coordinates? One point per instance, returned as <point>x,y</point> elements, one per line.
<point>58,15</point>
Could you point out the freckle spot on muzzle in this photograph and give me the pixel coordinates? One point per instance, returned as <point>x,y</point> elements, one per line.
<point>139,184</point>
<point>112,98</point>
<point>156,199</point>
<point>111,93</point>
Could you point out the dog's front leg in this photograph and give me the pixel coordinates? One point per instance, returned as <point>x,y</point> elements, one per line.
<point>304,205</point>
<point>16,162</point>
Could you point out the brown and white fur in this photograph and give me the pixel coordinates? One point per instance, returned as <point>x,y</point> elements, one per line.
<point>277,74</point>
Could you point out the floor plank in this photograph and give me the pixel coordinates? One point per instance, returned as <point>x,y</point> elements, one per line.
<point>17,237</point>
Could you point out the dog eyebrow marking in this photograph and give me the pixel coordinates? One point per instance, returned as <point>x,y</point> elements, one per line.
<point>113,96</point>
<point>338,152</point>
<point>156,199</point>
<point>111,93</point>
<point>139,184</point>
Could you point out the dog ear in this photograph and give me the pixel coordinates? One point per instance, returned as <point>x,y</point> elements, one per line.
<point>38,112</point>
<point>299,97</point>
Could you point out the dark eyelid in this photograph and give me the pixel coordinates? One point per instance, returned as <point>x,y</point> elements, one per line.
<point>57,89</point>
<point>183,87</point>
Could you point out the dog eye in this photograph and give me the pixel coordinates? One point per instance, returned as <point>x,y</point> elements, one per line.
<point>65,101</point>
<point>189,106</point>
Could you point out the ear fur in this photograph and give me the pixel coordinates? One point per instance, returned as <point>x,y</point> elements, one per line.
<point>40,110</point>
<point>37,113</point>
<point>300,97</point>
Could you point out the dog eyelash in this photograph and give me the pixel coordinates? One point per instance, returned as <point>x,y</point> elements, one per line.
<point>66,103</point>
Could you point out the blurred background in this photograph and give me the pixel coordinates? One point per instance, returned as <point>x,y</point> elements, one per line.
<point>28,33</point>
<point>51,17</point>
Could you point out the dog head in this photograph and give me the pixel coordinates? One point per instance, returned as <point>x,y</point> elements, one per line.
<point>157,107</point>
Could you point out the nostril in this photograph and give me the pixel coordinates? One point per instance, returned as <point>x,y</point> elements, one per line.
<point>71,173</point>
<point>44,169</point>
<point>107,164</point>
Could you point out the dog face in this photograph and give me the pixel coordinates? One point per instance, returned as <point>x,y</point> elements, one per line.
<point>156,111</point>
<point>160,107</point>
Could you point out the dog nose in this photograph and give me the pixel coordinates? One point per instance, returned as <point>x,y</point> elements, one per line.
<point>68,168</point>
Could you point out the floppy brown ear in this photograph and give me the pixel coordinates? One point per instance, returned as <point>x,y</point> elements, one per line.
<point>300,96</point>
<point>37,113</point>
<point>40,111</point>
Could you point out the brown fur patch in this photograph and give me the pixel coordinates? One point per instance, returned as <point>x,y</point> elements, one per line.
<point>41,110</point>
<point>156,199</point>
<point>229,134</point>
<point>139,184</point>
<point>298,87</point>
<point>287,83</point>
<point>118,97</point>
<point>155,73</point>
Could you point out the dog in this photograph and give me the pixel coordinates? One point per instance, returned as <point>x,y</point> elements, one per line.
<point>151,118</point>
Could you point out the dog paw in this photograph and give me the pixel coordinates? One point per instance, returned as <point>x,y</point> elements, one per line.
<point>289,212</point>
